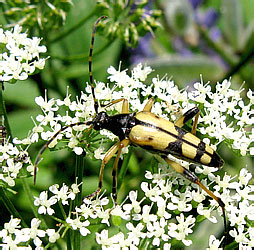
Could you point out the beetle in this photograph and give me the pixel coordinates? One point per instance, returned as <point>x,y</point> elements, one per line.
<point>151,132</point>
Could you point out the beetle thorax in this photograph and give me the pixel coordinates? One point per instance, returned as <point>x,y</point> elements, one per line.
<point>100,121</point>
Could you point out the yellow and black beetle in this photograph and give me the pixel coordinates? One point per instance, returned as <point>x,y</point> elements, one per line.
<point>150,132</point>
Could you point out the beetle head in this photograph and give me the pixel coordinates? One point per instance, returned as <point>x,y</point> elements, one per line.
<point>99,121</point>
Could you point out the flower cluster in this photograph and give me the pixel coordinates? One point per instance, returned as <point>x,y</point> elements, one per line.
<point>167,215</point>
<point>164,219</point>
<point>162,214</point>
<point>62,194</point>
<point>13,236</point>
<point>19,55</point>
<point>134,20</point>
<point>226,116</point>
<point>12,159</point>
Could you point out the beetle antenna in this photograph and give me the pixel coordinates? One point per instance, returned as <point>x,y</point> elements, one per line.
<point>90,63</point>
<point>78,123</point>
<point>45,146</point>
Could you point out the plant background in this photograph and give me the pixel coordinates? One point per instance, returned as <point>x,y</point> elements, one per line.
<point>183,51</point>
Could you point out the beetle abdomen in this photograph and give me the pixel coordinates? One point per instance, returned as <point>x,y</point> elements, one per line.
<point>162,136</point>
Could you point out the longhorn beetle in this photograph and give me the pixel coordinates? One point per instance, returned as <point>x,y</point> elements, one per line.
<point>151,132</point>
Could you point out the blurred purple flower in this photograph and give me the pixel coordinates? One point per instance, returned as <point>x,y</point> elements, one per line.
<point>143,50</point>
<point>181,48</point>
<point>195,3</point>
<point>208,19</point>
<point>215,33</point>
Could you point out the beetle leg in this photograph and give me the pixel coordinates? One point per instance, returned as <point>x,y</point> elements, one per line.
<point>112,102</point>
<point>110,153</point>
<point>121,145</point>
<point>149,105</point>
<point>125,107</point>
<point>193,178</point>
<point>187,116</point>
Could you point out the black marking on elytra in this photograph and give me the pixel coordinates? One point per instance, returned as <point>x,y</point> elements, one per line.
<point>190,114</point>
<point>150,138</point>
<point>181,132</point>
<point>175,148</point>
<point>150,148</point>
<point>179,137</point>
<point>216,161</point>
<point>200,151</point>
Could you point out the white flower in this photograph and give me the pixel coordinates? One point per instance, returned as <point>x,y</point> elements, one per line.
<point>183,228</point>
<point>12,225</point>
<point>135,232</point>
<point>78,224</point>
<point>239,234</point>
<point>61,194</point>
<point>206,212</point>
<point>151,193</point>
<point>103,239</point>
<point>120,77</point>
<point>74,190</point>
<point>104,215</point>
<point>45,104</point>
<point>180,203</point>
<point>214,244</point>
<point>146,216</point>
<point>34,233</point>
<point>134,203</point>
<point>157,231</point>
<point>44,203</point>
<point>53,235</point>
<point>141,74</point>
<point>20,55</point>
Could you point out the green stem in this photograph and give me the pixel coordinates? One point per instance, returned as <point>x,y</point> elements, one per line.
<point>10,207</point>
<point>68,237</point>
<point>216,47</point>
<point>30,197</point>
<point>124,167</point>
<point>243,60</point>
<point>62,210</point>
<point>73,28</point>
<point>58,220</point>
<point>3,112</point>
<point>79,167</point>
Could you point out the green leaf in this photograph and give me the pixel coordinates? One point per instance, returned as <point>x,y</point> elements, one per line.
<point>21,122</point>
<point>247,40</point>
<point>248,10</point>
<point>232,21</point>
<point>117,220</point>
<point>185,69</point>
<point>21,93</point>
